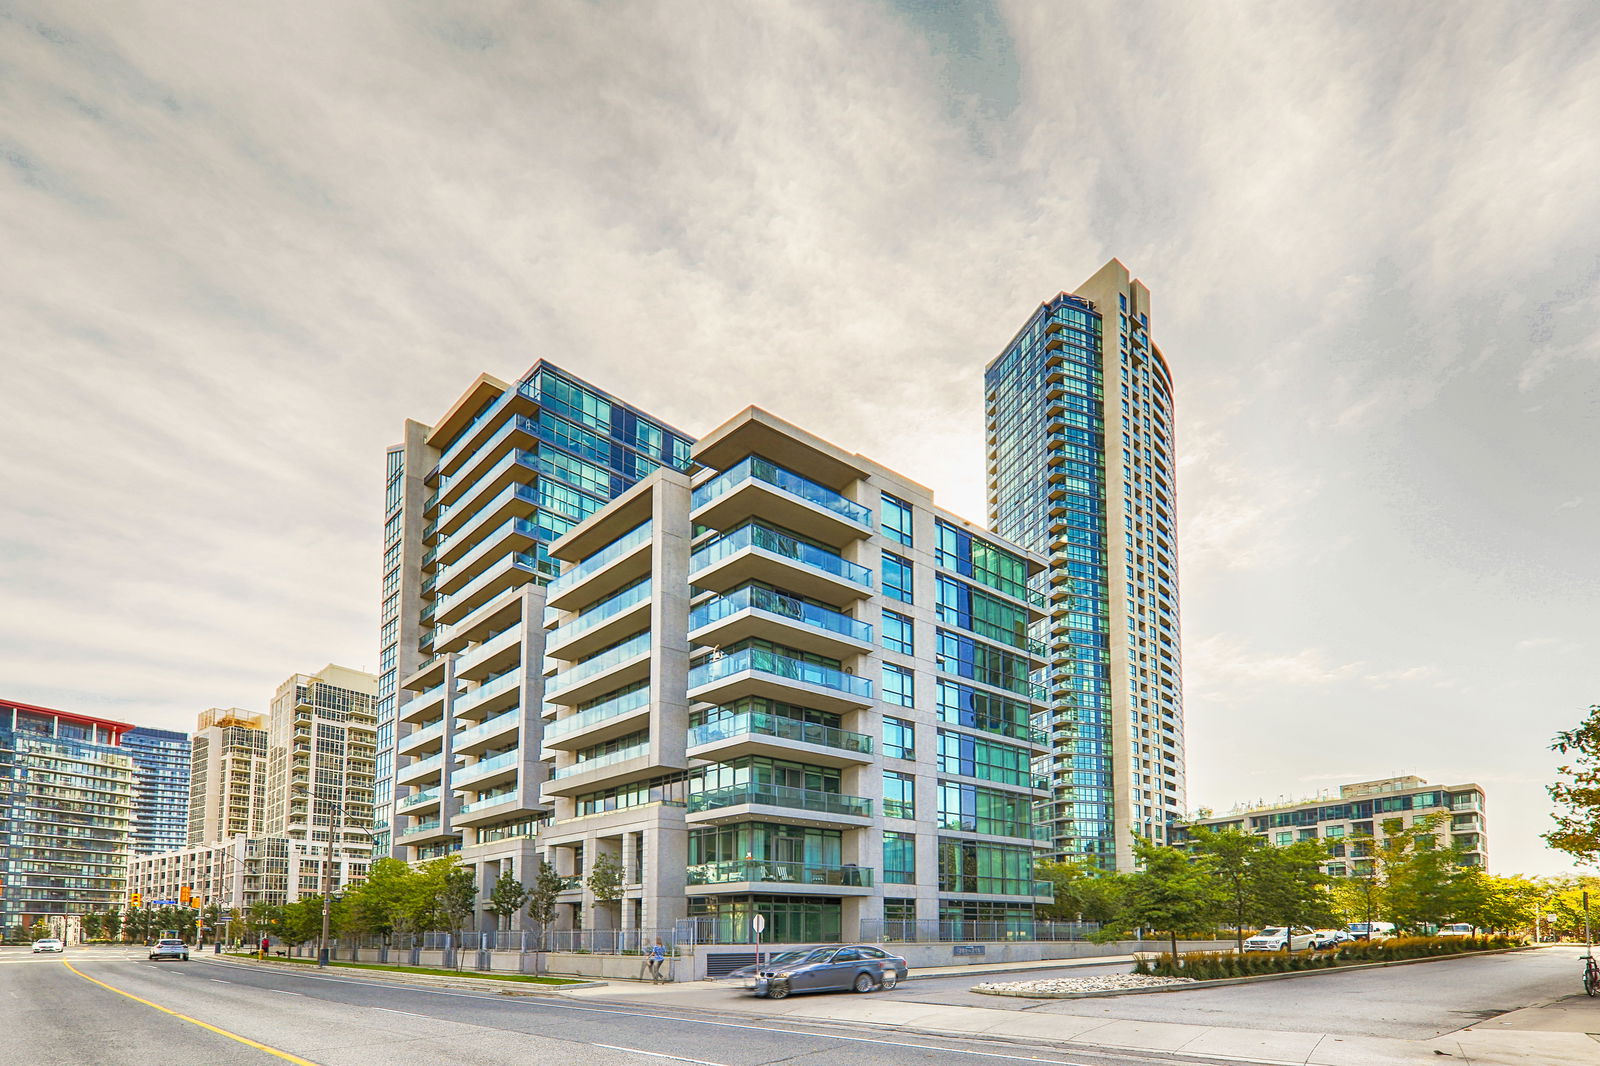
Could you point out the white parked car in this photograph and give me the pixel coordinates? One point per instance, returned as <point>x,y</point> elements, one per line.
<point>1280,938</point>
<point>1371,930</point>
<point>49,943</point>
<point>1457,929</point>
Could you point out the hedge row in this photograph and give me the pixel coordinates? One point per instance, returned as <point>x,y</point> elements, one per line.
<point>1211,965</point>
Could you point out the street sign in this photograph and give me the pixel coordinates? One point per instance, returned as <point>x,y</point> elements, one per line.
<point>759,923</point>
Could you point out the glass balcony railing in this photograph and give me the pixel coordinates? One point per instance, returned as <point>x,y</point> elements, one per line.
<point>582,671</point>
<point>609,607</point>
<point>473,771</point>
<point>759,723</point>
<point>487,542</point>
<point>792,873</point>
<point>608,759</point>
<point>628,701</point>
<point>601,559</point>
<point>804,799</point>
<point>417,799</point>
<point>425,766</point>
<point>488,728</point>
<point>427,825</point>
<point>1044,888</point>
<point>518,422</point>
<point>759,469</point>
<point>770,662</point>
<point>508,680</point>
<point>751,535</point>
<point>570,884</point>
<point>519,560</point>
<point>489,801</point>
<point>777,603</point>
<point>412,741</point>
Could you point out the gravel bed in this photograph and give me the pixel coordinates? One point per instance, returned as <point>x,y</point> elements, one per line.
<point>1057,986</point>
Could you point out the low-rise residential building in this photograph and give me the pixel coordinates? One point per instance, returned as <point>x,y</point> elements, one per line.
<point>66,813</point>
<point>241,871</point>
<point>791,685</point>
<point>1359,810</point>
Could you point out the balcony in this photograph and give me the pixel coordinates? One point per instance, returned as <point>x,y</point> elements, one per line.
<point>756,553</point>
<point>759,672</point>
<point>463,527</point>
<point>518,568</point>
<point>761,875</point>
<point>514,534</point>
<point>488,807</point>
<point>487,733</point>
<point>465,474</point>
<point>754,611</point>
<point>426,798</point>
<point>422,739</point>
<point>780,803</point>
<point>613,718</point>
<point>619,563</point>
<point>756,486</point>
<point>609,759</point>
<point>426,831</point>
<point>492,656</point>
<point>601,624</point>
<point>619,767</point>
<point>428,770</point>
<point>492,696</point>
<point>760,733</point>
<point>617,666</point>
<point>486,772</point>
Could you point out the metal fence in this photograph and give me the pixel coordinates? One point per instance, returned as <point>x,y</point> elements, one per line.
<point>934,931</point>
<point>465,944</point>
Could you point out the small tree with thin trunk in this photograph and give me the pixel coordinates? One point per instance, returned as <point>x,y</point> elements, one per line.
<point>1173,892</point>
<point>508,897</point>
<point>542,898</point>
<point>605,880</point>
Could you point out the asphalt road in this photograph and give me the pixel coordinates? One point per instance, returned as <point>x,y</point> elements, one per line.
<point>1408,1002</point>
<point>75,1010</point>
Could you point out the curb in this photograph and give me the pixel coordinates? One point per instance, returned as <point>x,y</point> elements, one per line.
<point>1048,964</point>
<point>1220,982</point>
<point>466,980</point>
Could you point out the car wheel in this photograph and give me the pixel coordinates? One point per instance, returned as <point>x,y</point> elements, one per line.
<point>777,991</point>
<point>888,979</point>
<point>864,982</point>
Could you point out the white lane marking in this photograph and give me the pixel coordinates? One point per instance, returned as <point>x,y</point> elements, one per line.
<point>281,992</point>
<point>698,1021</point>
<point>217,982</point>
<point>407,1013</point>
<point>657,1055</point>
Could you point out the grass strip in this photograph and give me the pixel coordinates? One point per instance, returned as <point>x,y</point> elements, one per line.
<point>520,978</point>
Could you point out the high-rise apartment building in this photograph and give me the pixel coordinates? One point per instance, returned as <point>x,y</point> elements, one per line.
<point>66,812</point>
<point>1081,469</point>
<point>321,739</point>
<point>160,788</point>
<point>1346,823</point>
<point>228,776</point>
<point>790,685</point>
<point>472,502</point>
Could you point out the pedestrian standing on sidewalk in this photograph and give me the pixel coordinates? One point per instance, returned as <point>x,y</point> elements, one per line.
<point>658,956</point>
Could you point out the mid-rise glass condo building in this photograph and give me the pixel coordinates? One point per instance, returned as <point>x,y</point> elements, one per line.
<point>160,788</point>
<point>1079,416</point>
<point>66,813</point>
<point>790,685</point>
<point>473,500</point>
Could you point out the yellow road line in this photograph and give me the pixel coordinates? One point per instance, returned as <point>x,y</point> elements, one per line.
<point>284,1055</point>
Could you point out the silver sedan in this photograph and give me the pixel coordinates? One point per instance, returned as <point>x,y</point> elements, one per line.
<point>860,967</point>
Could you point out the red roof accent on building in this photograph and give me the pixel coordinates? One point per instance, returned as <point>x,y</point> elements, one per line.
<point>117,728</point>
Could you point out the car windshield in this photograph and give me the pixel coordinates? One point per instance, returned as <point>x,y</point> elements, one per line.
<point>787,956</point>
<point>817,955</point>
<point>1358,927</point>
<point>1272,930</point>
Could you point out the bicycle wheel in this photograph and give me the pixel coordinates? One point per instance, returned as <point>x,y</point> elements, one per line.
<point>1589,981</point>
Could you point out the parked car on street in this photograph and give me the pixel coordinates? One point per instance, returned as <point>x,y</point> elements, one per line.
<point>1457,929</point>
<point>1371,930</point>
<point>170,949</point>
<point>1280,938</point>
<point>829,968</point>
<point>1330,938</point>
<point>49,943</point>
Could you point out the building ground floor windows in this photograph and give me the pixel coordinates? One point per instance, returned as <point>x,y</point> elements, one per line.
<point>790,919</point>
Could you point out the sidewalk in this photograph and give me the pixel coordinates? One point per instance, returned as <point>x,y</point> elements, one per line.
<point>1549,1035</point>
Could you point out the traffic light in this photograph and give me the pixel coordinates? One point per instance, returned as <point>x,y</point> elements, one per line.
<point>183,895</point>
<point>135,900</point>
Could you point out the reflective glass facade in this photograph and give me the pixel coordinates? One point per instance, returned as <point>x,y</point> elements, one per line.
<point>160,789</point>
<point>1080,469</point>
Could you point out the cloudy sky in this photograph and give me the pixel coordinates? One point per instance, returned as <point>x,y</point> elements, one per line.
<point>242,243</point>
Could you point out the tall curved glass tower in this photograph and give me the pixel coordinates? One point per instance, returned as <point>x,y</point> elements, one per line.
<point>1079,418</point>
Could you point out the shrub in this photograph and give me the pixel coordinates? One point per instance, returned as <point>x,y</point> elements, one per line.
<point>1212,965</point>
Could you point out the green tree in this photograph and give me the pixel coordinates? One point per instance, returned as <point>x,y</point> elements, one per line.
<point>1172,892</point>
<point>1577,830</point>
<point>380,905</point>
<point>40,930</point>
<point>508,897</point>
<point>542,896</point>
<point>1236,860</point>
<point>605,880</point>
<point>211,915</point>
<point>302,920</point>
<point>1290,887</point>
<point>93,926</point>
<point>443,895</point>
<point>263,919</point>
<point>111,922</point>
<point>1504,904</point>
<point>1083,892</point>
<point>1420,878</point>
